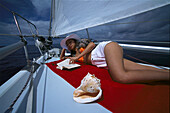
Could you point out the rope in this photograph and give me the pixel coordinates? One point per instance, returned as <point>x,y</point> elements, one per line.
<point>137,22</point>
<point>11,106</point>
<point>30,76</point>
<point>5,8</point>
<point>125,41</point>
<point>14,13</point>
<point>143,61</point>
<point>88,34</point>
<point>25,35</point>
<point>50,18</point>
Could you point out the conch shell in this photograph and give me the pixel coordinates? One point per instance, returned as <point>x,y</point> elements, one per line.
<point>89,90</point>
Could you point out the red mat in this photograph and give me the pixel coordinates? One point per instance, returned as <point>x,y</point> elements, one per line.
<point>120,98</point>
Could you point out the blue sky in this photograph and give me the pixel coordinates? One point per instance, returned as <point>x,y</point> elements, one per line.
<point>38,12</point>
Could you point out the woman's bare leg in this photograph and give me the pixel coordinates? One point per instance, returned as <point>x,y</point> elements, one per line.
<point>124,72</point>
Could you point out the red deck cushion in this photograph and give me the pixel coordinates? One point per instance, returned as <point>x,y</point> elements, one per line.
<point>120,98</point>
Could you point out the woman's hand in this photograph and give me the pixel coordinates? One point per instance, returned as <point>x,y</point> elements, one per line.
<point>62,55</point>
<point>73,59</point>
<point>88,49</point>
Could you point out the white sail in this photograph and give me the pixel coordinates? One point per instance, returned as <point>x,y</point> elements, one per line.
<point>74,15</point>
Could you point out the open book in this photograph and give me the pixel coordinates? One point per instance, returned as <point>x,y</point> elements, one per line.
<point>65,64</point>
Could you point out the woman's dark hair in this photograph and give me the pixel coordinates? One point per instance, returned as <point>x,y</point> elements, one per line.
<point>83,43</point>
<point>80,44</point>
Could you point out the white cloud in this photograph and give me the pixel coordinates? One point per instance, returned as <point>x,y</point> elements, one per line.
<point>41,5</point>
<point>8,28</point>
<point>42,26</point>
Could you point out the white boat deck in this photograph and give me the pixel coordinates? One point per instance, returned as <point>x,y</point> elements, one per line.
<point>48,93</point>
<point>59,96</point>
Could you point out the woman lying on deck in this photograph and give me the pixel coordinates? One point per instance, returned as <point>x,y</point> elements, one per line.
<point>110,55</point>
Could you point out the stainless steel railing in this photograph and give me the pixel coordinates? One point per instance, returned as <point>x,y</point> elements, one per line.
<point>5,51</point>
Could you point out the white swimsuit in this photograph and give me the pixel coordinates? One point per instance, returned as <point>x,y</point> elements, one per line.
<point>98,56</point>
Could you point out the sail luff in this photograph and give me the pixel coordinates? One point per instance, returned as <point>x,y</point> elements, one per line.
<point>71,15</point>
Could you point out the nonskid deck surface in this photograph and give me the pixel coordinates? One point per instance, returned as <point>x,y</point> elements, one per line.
<point>52,91</point>
<point>116,97</point>
<point>59,96</point>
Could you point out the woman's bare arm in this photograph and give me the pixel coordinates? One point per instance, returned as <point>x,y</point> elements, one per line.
<point>88,49</point>
<point>62,55</point>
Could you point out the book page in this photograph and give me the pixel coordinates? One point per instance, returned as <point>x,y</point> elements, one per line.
<point>65,64</point>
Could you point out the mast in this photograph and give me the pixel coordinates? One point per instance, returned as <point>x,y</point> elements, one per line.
<point>50,18</point>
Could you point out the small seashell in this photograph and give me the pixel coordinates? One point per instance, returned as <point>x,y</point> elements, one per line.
<point>89,89</point>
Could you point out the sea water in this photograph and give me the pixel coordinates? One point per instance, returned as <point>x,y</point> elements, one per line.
<point>10,65</point>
